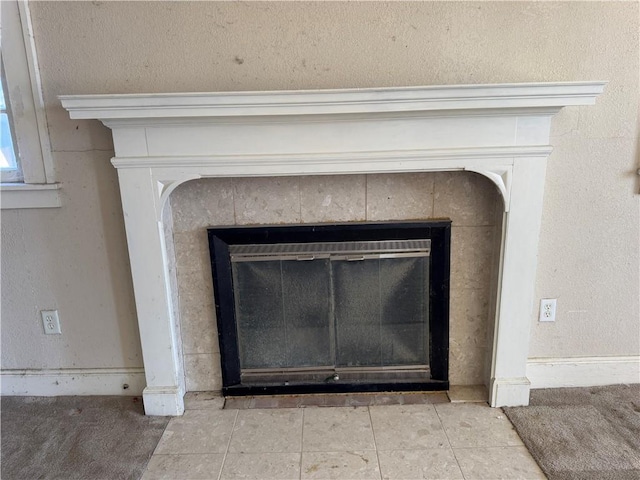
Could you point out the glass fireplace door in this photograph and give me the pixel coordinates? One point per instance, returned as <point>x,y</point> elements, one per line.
<point>283,313</point>
<point>359,311</point>
<point>381,312</point>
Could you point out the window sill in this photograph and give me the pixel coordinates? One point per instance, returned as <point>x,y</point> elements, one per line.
<point>24,195</point>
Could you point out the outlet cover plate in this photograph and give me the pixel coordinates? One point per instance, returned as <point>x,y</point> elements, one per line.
<point>51,322</point>
<point>547,310</point>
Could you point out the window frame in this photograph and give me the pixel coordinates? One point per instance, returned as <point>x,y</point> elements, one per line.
<point>38,187</point>
<point>13,175</point>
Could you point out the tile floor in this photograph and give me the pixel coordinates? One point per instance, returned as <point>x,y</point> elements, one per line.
<point>332,400</point>
<point>442,441</point>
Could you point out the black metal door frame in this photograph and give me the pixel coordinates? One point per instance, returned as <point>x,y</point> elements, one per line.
<point>439,232</point>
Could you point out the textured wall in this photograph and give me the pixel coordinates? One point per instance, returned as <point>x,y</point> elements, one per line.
<point>74,258</point>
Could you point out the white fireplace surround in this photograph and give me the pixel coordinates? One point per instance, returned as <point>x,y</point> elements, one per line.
<point>162,140</point>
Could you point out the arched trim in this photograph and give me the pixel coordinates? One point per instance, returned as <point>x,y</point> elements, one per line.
<point>501,176</point>
<point>165,187</point>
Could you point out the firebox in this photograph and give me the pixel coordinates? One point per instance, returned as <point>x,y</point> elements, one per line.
<point>332,308</point>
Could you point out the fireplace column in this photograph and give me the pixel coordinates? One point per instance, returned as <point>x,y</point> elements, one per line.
<point>163,367</point>
<point>516,285</point>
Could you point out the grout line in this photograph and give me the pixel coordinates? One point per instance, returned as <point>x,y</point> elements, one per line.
<point>433,196</point>
<point>224,459</point>
<point>458,463</point>
<point>366,197</point>
<point>488,447</point>
<point>448,440</point>
<point>185,454</point>
<point>233,200</point>
<point>375,444</point>
<point>84,151</point>
<point>299,201</point>
<point>301,444</point>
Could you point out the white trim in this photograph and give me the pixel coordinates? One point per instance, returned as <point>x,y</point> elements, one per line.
<point>583,371</point>
<point>81,381</point>
<point>246,164</point>
<point>24,89</point>
<point>494,163</point>
<point>36,90</point>
<point>24,195</point>
<point>163,401</point>
<point>509,392</point>
<point>162,140</point>
<point>549,96</point>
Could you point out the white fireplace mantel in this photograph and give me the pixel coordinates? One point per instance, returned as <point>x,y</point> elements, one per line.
<point>162,140</point>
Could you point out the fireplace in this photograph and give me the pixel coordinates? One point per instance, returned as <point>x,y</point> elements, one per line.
<point>332,308</point>
<point>164,140</point>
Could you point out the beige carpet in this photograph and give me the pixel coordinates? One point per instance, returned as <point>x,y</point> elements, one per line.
<point>583,433</point>
<point>87,438</point>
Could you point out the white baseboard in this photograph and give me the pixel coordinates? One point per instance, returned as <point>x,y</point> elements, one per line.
<point>583,371</point>
<point>509,392</point>
<point>163,401</point>
<point>80,381</point>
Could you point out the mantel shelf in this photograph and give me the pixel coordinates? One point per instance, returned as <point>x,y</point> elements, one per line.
<point>550,96</point>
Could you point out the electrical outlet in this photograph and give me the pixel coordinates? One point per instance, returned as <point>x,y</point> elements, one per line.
<point>50,322</point>
<point>548,310</point>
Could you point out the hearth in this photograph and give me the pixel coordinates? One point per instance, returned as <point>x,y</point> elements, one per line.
<point>332,308</point>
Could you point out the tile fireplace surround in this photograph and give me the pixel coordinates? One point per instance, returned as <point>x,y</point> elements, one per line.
<point>164,140</point>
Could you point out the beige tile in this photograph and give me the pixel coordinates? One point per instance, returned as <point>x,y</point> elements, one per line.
<point>476,425</point>
<point>401,196</point>
<point>419,464</point>
<point>198,325</point>
<point>336,198</point>
<point>261,466</point>
<point>195,289</point>
<point>266,401</point>
<point>471,257</point>
<point>468,394</point>
<point>466,364</point>
<point>203,401</point>
<point>467,198</point>
<point>415,398</point>
<point>187,467</point>
<point>202,372</point>
<point>469,320</point>
<point>273,200</point>
<point>508,463</point>
<point>313,400</point>
<point>337,429</point>
<point>198,431</point>
<point>288,401</point>
<point>340,465</point>
<point>469,316</point>
<point>202,203</point>
<point>239,403</point>
<point>192,249</point>
<point>262,431</point>
<point>196,282</point>
<point>407,427</point>
<point>358,400</point>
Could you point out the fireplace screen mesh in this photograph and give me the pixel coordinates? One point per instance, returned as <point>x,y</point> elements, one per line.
<point>345,306</point>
